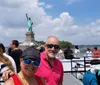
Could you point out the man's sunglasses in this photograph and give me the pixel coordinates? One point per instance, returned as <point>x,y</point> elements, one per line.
<point>51,45</point>
<point>34,63</point>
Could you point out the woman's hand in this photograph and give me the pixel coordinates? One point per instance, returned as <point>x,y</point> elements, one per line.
<point>7,74</point>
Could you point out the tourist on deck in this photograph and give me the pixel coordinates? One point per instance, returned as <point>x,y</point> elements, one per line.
<point>41,48</point>
<point>92,77</point>
<point>60,54</point>
<point>76,52</point>
<point>68,53</point>
<point>5,64</point>
<point>96,53</point>
<point>29,63</point>
<point>16,53</point>
<point>89,53</point>
<point>51,68</point>
<point>9,57</point>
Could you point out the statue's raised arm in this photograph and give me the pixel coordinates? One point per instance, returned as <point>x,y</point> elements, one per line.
<point>30,23</point>
<point>27,16</point>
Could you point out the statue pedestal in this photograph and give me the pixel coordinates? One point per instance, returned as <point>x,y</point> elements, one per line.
<point>29,37</point>
<point>29,41</point>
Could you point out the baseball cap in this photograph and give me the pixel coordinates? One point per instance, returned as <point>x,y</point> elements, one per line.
<point>31,53</point>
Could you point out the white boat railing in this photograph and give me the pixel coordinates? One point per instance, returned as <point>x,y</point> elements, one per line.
<point>81,67</point>
<point>77,66</point>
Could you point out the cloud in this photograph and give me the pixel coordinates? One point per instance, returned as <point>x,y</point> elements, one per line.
<point>94,28</point>
<point>68,2</point>
<point>13,24</point>
<point>43,4</point>
<point>8,34</point>
<point>48,6</point>
<point>13,12</point>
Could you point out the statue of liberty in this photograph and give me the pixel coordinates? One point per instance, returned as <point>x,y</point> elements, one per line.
<point>30,23</point>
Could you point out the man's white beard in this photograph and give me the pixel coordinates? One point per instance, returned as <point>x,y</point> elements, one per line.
<point>52,55</point>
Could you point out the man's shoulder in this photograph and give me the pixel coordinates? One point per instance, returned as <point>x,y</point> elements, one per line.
<point>43,55</point>
<point>58,61</point>
<point>17,51</point>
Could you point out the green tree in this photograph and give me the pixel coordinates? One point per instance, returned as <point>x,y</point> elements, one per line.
<point>40,42</point>
<point>64,44</point>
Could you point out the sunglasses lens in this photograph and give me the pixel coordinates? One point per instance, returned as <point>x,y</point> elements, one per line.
<point>51,45</point>
<point>27,61</point>
<point>56,46</point>
<point>36,63</point>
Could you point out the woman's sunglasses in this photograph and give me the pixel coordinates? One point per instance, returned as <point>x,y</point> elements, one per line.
<point>34,63</point>
<point>51,45</point>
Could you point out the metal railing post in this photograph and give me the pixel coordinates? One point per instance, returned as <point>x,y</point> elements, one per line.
<point>84,65</point>
<point>71,65</point>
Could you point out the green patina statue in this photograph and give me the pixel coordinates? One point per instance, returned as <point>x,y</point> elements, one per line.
<point>30,23</point>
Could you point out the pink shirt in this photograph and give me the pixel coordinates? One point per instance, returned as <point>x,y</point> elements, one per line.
<point>52,76</point>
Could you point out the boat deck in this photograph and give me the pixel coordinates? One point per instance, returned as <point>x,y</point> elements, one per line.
<point>71,80</point>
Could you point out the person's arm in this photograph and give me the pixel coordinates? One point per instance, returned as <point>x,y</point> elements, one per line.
<point>9,82</point>
<point>27,16</point>
<point>7,74</point>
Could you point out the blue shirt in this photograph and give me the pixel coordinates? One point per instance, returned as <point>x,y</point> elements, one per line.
<point>89,79</point>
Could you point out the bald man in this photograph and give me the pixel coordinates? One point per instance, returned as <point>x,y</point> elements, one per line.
<point>50,68</point>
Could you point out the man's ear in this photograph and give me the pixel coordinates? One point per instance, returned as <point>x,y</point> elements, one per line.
<point>45,46</point>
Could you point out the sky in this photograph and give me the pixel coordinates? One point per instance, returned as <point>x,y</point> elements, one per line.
<point>76,21</point>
